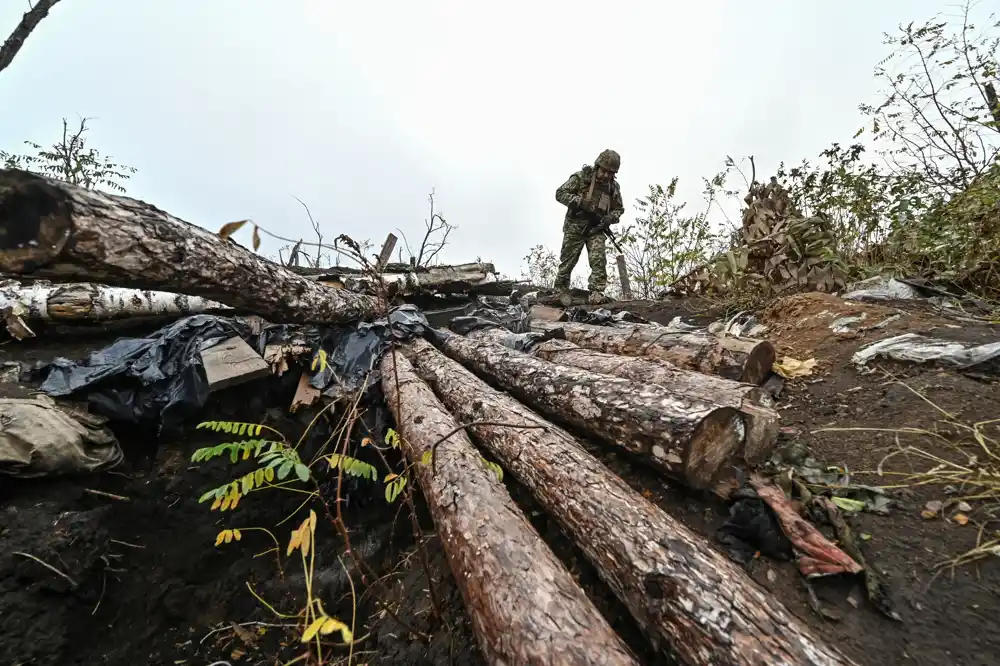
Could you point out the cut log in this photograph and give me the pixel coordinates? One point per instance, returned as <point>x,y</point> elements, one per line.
<point>688,439</point>
<point>65,233</point>
<point>748,361</point>
<point>92,303</point>
<point>232,362</point>
<point>524,606</point>
<point>691,602</point>
<point>754,404</point>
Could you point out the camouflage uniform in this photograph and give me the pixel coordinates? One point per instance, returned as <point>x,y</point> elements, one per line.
<point>580,227</point>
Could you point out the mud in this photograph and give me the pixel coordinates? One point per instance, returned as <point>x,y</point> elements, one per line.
<point>148,585</point>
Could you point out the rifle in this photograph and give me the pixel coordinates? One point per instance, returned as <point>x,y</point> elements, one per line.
<point>611,237</point>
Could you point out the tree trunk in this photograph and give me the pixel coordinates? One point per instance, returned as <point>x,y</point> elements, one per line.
<point>67,233</point>
<point>92,303</point>
<point>436,279</point>
<point>747,361</point>
<point>754,405</point>
<point>524,605</point>
<point>688,439</point>
<point>690,602</point>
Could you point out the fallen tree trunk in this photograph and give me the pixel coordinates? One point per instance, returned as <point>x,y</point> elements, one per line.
<point>92,303</point>
<point>690,602</point>
<point>66,233</point>
<point>442,279</point>
<point>688,439</point>
<point>754,405</point>
<point>524,605</point>
<point>748,361</point>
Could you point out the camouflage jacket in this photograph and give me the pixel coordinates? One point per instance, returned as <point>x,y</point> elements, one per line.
<point>575,190</point>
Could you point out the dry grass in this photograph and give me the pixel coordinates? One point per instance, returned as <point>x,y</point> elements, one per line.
<point>966,464</point>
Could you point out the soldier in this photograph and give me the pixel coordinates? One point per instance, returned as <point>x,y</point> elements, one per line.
<point>594,202</point>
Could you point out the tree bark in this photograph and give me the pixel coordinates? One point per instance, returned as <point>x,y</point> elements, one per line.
<point>66,233</point>
<point>92,303</point>
<point>690,602</point>
<point>435,279</point>
<point>687,439</point>
<point>524,605</point>
<point>748,361</point>
<point>754,404</point>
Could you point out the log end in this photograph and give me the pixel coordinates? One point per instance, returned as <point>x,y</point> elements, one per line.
<point>759,362</point>
<point>715,443</point>
<point>34,222</point>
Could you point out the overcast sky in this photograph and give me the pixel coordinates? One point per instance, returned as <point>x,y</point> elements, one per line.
<point>228,108</point>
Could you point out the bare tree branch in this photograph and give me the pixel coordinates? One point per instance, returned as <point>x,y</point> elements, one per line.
<point>28,23</point>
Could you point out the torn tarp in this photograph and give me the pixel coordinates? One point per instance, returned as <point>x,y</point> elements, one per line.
<point>41,438</point>
<point>352,352</point>
<point>600,316</point>
<point>523,342</point>
<point>160,381</point>
<point>914,348</point>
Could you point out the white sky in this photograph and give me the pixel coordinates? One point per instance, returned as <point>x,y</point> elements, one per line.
<point>229,107</point>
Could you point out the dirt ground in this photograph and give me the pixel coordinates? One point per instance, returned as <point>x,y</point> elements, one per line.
<point>150,586</point>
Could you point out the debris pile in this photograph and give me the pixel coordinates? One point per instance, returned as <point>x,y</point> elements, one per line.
<point>532,387</point>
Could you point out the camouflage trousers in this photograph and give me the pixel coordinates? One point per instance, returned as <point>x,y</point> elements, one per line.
<point>574,240</point>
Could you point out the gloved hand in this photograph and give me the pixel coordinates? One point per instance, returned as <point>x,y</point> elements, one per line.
<point>605,223</point>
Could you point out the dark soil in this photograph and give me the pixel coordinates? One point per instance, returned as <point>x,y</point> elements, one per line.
<point>150,586</point>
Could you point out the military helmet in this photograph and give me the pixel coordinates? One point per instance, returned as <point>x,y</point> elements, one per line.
<point>609,160</point>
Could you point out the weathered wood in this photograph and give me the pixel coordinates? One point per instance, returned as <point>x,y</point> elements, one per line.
<point>387,247</point>
<point>91,303</point>
<point>66,233</point>
<point>754,404</point>
<point>691,602</point>
<point>688,439</point>
<point>748,361</point>
<point>232,362</point>
<point>305,394</point>
<point>623,278</point>
<point>525,607</point>
<point>436,279</point>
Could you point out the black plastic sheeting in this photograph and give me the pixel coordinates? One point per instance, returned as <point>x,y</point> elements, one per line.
<point>159,380</point>
<point>753,528</point>
<point>600,316</point>
<point>523,342</point>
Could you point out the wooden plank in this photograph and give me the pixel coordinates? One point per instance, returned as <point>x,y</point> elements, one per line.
<point>232,362</point>
<point>386,254</point>
<point>305,394</point>
<point>544,313</point>
<point>623,276</point>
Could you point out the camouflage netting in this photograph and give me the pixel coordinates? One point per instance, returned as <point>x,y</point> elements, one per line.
<point>782,251</point>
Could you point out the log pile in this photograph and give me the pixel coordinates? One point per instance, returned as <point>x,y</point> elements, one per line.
<point>689,404</point>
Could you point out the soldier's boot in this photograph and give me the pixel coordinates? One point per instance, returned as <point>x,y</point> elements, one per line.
<point>596,298</point>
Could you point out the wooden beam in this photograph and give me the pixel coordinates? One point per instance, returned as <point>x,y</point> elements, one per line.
<point>623,276</point>
<point>386,254</point>
<point>232,362</point>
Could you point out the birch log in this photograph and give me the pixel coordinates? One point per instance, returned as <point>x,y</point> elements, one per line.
<point>524,605</point>
<point>753,403</point>
<point>687,439</point>
<point>748,361</point>
<point>690,602</point>
<point>92,303</point>
<point>66,233</point>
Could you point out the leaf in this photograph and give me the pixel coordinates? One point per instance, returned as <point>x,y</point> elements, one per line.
<point>427,458</point>
<point>366,441</point>
<point>302,472</point>
<point>331,625</point>
<point>849,505</point>
<point>285,468</point>
<point>237,535</point>
<point>256,238</point>
<point>790,368</point>
<point>390,477</point>
<point>229,228</point>
<point>313,629</point>
<point>221,537</point>
<point>960,518</point>
<point>269,474</point>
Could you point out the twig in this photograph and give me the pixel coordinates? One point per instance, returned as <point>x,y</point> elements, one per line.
<point>126,543</point>
<point>28,23</point>
<point>101,493</point>
<point>463,426</point>
<point>47,566</point>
